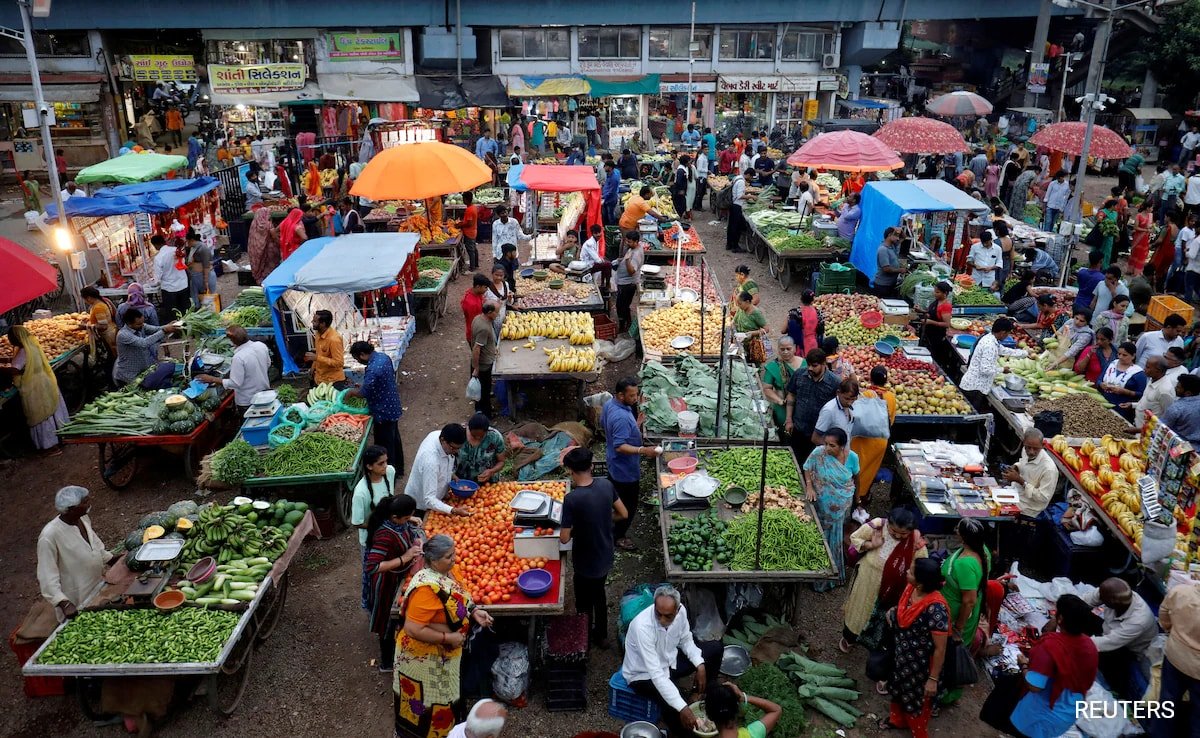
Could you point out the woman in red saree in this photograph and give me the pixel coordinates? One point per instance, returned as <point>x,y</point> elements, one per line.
<point>1141,239</point>
<point>291,233</point>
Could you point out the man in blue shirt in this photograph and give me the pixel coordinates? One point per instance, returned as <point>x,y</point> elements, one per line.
<point>1043,265</point>
<point>1087,278</point>
<point>576,156</point>
<point>589,125</point>
<point>690,137</point>
<point>383,399</point>
<point>610,193</point>
<point>710,141</point>
<point>623,451</point>
<point>1183,416</point>
<point>485,146</point>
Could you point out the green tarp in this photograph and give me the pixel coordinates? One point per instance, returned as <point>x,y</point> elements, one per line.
<point>131,168</point>
<point>602,87</point>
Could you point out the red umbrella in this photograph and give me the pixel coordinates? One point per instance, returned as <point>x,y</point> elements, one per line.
<point>23,276</point>
<point>959,103</point>
<point>846,151</point>
<point>1068,138</point>
<point>921,136</point>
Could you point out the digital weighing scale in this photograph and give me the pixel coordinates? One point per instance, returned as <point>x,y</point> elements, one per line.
<point>536,510</point>
<point>675,498</point>
<point>161,553</point>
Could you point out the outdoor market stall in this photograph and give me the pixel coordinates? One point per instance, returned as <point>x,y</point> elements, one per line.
<point>131,168</point>
<point>541,291</point>
<point>689,396</point>
<point>673,242</point>
<point>948,480</point>
<point>555,215</point>
<point>429,293</point>
<point>791,244</point>
<point>545,347</point>
<point>328,273</point>
<point>146,619</point>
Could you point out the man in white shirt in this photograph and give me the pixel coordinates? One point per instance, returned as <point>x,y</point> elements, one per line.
<point>745,162</point>
<point>1191,192</point>
<point>804,199</point>
<point>1174,359</point>
<point>983,363</point>
<point>71,190</point>
<point>172,279</point>
<point>433,470</point>
<point>1159,392</point>
<point>505,229</point>
<point>486,720</point>
<point>1035,476</point>
<point>253,190</point>
<point>1129,629</point>
<point>702,168</point>
<point>737,221</point>
<point>590,254</point>
<point>1156,343</point>
<point>248,369</point>
<point>986,258</point>
<point>1191,275</point>
<point>1188,145</point>
<point>659,650</point>
<point>1057,194</point>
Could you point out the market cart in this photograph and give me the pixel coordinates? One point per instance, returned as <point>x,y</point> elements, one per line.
<point>224,679</point>
<point>119,455</point>
<point>336,488</point>
<point>789,266</point>
<point>574,295</point>
<point>429,304</point>
<point>673,243</point>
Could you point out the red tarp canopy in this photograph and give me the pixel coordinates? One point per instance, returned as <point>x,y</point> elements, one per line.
<point>23,276</point>
<point>559,178</point>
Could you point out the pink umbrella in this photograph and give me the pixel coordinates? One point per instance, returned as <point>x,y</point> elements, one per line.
<point>961,103</point>
<point>1068,138</point>
<point>921,136</point>
<point>846,151</point>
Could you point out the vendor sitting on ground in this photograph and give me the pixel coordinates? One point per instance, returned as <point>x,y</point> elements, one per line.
<point>70,556</point>
<point>433,471</point>
<point>1129,629</point>
<point>483,455</point>
<point>1034,475</point>
<point>659,650</point>
<point>567,252</point>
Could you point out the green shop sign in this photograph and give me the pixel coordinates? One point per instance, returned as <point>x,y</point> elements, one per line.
<point>365,47</point>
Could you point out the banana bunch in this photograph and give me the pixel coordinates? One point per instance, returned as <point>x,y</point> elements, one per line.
<point>567,359</point>
<point>1071,459</point>
<point>1059,444</point>
<point>558,324</point>
<point>1111,446</point>
<point>1091,483</point>
<point>1128,462</point>
<point>1088,448</point>
<point>1133,475</point>
<point>1124,507</point>
<point>1099,458</point>
<point>1105,474</point>
<point>223,532</point>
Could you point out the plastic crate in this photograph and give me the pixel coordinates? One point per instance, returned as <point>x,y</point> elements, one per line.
<point>35,686</point>
<point>606,327</point>
<point>625,704</point>
<point>567,688</point>
<point>1162,306</point>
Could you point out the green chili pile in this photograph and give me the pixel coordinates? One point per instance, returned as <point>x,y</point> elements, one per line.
<point>788,543</point>
<point>187,635</point>
<point>740,467</point>
<point>311,453</point>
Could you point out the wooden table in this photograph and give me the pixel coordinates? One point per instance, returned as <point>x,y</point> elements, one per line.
<point>532,365</point>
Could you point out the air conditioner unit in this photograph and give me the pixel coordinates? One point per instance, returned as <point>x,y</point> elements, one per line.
<point>829,61</point>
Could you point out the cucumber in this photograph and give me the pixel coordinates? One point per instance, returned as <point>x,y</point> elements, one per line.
<point>208,600</point>
<point>243,595</point>
<point>230,601</point>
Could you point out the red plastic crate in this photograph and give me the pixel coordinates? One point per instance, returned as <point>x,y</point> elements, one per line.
<point>35,686</point>
<point>606,327</point>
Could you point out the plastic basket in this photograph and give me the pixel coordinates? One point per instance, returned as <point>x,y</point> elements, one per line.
<point>35,686</point>
<point>1161,306</point>
<point>606,327</point>
<point>625,704</point>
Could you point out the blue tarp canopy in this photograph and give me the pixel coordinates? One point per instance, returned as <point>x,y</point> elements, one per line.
<point>866,104</point>
<point>884,203</point>
<point>158,196</point>
<point>354,263</point>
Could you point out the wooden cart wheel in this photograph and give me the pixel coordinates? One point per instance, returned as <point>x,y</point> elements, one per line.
<point>118,464</point>
<point>193,453</point>
<point>226,687</point>
<point>72,385</point>
<point>785,275</point>
<point>431,317</point>
<point>87,692</point>
<point>442,300</point>
<point>774,265</point>
<point>341,504</point>
<point>268,613</point>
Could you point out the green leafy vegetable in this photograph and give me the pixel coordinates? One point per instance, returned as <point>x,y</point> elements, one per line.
<point>235,463</point>
<point>433,262</point>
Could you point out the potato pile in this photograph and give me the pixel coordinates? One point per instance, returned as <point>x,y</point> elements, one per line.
<point>55,335</point>
<point>661,327</point>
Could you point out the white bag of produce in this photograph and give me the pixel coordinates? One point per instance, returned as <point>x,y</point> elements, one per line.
<point>708,625</point>
<point>870,418</point>
<point>1158,541</point>
<point>510,672</point>
<point>622,349</point>
<point>474,389</point>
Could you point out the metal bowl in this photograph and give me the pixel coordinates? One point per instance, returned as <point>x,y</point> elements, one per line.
<point>682,342</point>
<point>735,661</point>
<point>640,729</point>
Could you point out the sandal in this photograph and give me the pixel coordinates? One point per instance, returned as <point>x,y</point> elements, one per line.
<point>843,646</point>
<point>886,724</point>
<point>626,544</point>
<point>881,688</point>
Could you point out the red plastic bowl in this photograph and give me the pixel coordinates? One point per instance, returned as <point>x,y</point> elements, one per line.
<point>169,599</point>
<point>871,319</point>
<point>683,464</point>
<point>202,570</point>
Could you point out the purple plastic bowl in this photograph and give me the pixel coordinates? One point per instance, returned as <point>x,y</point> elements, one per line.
<point>535,582</point>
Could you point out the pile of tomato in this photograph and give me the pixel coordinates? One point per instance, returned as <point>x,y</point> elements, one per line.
<point>484,541</point>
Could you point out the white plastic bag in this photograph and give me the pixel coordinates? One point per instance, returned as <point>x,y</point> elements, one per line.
<point>1158,541</point>
<point>510,672</point>
<point>1103,705</point>
<point>474,389</point>
<point>709,627</point>
<point>622,349</point>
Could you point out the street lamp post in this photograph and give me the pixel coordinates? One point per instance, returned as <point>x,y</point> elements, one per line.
<point>691,63</point>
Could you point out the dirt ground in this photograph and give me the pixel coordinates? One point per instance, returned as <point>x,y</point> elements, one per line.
<point>315,676</point>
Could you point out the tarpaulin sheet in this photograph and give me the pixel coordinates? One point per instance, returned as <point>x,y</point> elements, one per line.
<point>611,86</point>
<point>364,261</point>
<point>375,87</point>
<point>440,93</point>
<point>172,193</point>
<point>23,276</point>
<point>102,207</point>
<point>555,178</point>
<point>131,168</point>
<point>883,203</point>
<point>486,91</point>
<point>547,86</point>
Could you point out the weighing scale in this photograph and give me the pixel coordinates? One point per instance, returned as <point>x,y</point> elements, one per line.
<point>677,499</point>
<point>536,510</point>
<point>1016,401</point>
<point>161,553</point>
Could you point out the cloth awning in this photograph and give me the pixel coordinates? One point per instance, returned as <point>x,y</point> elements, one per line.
<point>102,207</point>
<point>78,93</point>
<point>440,93</point>
<point>883,204</point>
<point>1148,113</point>
<point>613,86</point>
<point>552,178</point>
<point>353,263</point>
<point>375,87</point>
<point>131,168</point>
<point>173,193</point>
<point>309,94</point>
<point>547,86</point>
<point>866,104</point>
<point>24,276</point>
<point>486,91</point>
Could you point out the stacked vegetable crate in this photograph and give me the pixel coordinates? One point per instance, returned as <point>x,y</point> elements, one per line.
<point>830,280</point>
<point>566,645</point>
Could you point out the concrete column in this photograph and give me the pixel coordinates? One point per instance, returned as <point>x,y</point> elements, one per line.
<point>853,81</point>
<point>1040,34</point>
<point>1149,91</point>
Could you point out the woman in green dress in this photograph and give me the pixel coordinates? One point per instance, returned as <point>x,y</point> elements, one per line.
<point>966,573</point>
<point>743,283</point>
<point>776,374</point>
<point>750,320</point>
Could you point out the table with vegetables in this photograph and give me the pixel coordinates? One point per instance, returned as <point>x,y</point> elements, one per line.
<point>659,327</point>
<point>690,384</point>
<point>546,346</point>
<point>250,311</point>
<point>429,291</point>
<point>313,452</point>
<point>552,292</point>
<point>62,341</point>
<point>147,619</point>
<point>661,248</point>
<point>718,544</point>
<point>124,422</point>
<point>789,245</point>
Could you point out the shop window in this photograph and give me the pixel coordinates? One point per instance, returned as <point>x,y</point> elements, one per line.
<point>747,42</point>
<point>806,45</point>
<point>534,43</point>
<point>789,113</point>
<point>59,43</point>
<point>741,112</point>
<point>610,43</point>
<point>672,43</point>
<point>261,52</point>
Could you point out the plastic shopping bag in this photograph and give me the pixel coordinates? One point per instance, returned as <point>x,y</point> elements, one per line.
<point>474,390</point>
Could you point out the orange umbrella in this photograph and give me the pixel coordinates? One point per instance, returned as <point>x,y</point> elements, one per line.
<point>418,171</point>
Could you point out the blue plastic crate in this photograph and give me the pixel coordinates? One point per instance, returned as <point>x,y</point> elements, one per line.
<point>625,704</point>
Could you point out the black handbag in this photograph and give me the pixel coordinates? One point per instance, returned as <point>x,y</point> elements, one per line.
<point>1049,422</point>
<point>959,669</point>
<point>881,662</point>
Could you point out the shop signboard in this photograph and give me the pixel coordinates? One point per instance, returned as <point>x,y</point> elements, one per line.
<point>610,66</point>
<point>250,78</point>
<point>365,47</point>
<point>668,88</point>
<point>1039,75</point>
<point>162,68</point>
<point>744,83</point>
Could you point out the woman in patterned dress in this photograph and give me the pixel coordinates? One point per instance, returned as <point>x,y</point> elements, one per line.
<point>831,476</point>
<point>393,544</point>
<point>922,623</point>
<point>437,613</point>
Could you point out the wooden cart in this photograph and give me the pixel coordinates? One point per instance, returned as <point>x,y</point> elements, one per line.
<point>429,305</point>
